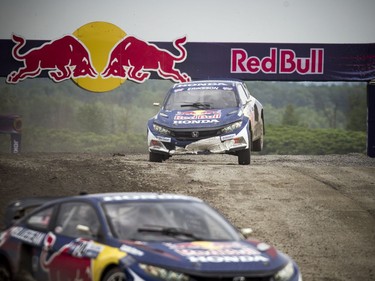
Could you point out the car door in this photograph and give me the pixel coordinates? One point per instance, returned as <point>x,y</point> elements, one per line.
<point>68,248</point>
<point>25,241</point>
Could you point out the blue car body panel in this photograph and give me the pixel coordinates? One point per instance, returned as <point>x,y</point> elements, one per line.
<point>51,254</point>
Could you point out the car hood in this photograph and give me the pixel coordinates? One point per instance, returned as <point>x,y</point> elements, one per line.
<point>204,256</point>
<point>202,118</point>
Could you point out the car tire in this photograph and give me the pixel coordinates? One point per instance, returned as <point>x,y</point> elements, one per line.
<point>244,156</point>
<point>4,273</point>
<point>156,157</point>
<point>115,274</point>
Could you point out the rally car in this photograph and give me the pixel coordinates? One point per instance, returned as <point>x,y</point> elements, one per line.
<point>202,117</point>
<point>135,236</point>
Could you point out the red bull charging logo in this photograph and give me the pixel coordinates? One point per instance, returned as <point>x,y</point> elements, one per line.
<point>99,57</point>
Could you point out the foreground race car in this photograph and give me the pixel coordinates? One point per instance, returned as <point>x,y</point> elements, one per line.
<point>135,236</point>
<point>202,117</point>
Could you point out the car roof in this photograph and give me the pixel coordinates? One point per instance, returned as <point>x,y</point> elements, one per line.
<point>231,82</point>
<point>131,196</point>
<point>16,210</point>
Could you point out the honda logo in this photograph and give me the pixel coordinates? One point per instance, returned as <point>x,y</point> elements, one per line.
<point>195,134</point>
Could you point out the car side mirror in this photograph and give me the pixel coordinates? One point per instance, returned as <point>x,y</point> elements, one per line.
<point>246,232</point>
<point>83,229</point>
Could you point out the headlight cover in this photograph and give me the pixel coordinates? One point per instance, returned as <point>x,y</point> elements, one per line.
<point>286,273</point>
<point>161,130</point>
<point>231,127</point>
<point>163,273</point>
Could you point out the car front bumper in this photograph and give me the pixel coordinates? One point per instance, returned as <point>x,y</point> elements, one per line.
<point>216,145</point>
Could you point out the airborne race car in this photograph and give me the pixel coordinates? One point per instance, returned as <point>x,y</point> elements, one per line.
<point>202,117</point>
<point>134,236</point>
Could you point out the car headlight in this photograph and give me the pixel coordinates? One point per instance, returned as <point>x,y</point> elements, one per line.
<point>286,273</point>
<point>231,127</point>
<point>161,130</point>
<point>163,273</point>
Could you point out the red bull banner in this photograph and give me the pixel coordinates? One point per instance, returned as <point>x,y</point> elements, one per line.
<point>100,56</point>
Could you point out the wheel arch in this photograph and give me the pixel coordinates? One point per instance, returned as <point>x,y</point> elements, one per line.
<point>108,268</point>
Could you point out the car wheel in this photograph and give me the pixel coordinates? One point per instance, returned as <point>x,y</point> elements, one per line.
<point>244,156</point>
<point>4,273</point>
<point>115,274</point>
<point>156,157</point>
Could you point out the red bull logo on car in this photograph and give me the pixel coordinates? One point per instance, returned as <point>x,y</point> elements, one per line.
<point>198,114</point>
<point>197,117</point>
<point>99,57</point>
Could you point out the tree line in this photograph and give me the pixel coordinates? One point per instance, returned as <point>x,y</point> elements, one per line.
<point>63,117</point>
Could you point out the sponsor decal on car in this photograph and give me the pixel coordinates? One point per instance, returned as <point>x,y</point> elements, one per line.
<point>27,235</point>
<point>131,250</point>
<point>197,117</point>
<point>197,114</point>
<point>217,252</point>
<point>190,122</point>
<point>145,197</point>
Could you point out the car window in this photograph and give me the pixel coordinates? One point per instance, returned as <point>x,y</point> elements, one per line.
<point>41,219</point>
<point>243,94</point>
<point>197,219</point>
<point>77,220</point>
<point>201,99</point>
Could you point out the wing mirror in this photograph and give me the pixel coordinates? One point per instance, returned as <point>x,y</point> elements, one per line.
<point>246,232</point>
<point>84,229</point>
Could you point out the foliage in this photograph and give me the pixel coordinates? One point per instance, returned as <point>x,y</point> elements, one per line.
<point>328,105</point>
<point>278,140</point>
<point>64,117</point>
<point>37,139</point>
<point>290,117</point>
<point>357,114</point>
<point>301,140</point>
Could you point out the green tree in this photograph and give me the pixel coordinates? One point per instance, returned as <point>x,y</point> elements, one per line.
<point>91,118</point>
<point>357,114</point>
<point>290,117</point>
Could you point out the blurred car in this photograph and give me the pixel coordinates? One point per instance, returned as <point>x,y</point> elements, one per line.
<point>203,117</point>
<point>135,236</point>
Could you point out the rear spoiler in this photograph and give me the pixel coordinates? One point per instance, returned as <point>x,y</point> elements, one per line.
<point>19,208</point>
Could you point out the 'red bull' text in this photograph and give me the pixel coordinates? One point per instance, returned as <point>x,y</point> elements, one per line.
<point>284,61</point>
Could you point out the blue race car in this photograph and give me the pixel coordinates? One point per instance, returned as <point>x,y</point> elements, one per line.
<point>134,237</point>
<point>202,117</point>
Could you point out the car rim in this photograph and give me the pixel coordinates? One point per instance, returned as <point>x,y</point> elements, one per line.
<point>118,276</point>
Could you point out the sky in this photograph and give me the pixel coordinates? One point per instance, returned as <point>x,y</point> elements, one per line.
<point>275,21</point>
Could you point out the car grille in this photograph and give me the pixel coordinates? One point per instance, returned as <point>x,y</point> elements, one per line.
<point>191,135</point>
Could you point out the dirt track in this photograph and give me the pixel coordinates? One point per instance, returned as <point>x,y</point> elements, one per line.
<point>318,209</point>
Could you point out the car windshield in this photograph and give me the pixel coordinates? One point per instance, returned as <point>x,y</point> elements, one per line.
<point>201,99</point>
<point>167,221</point>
